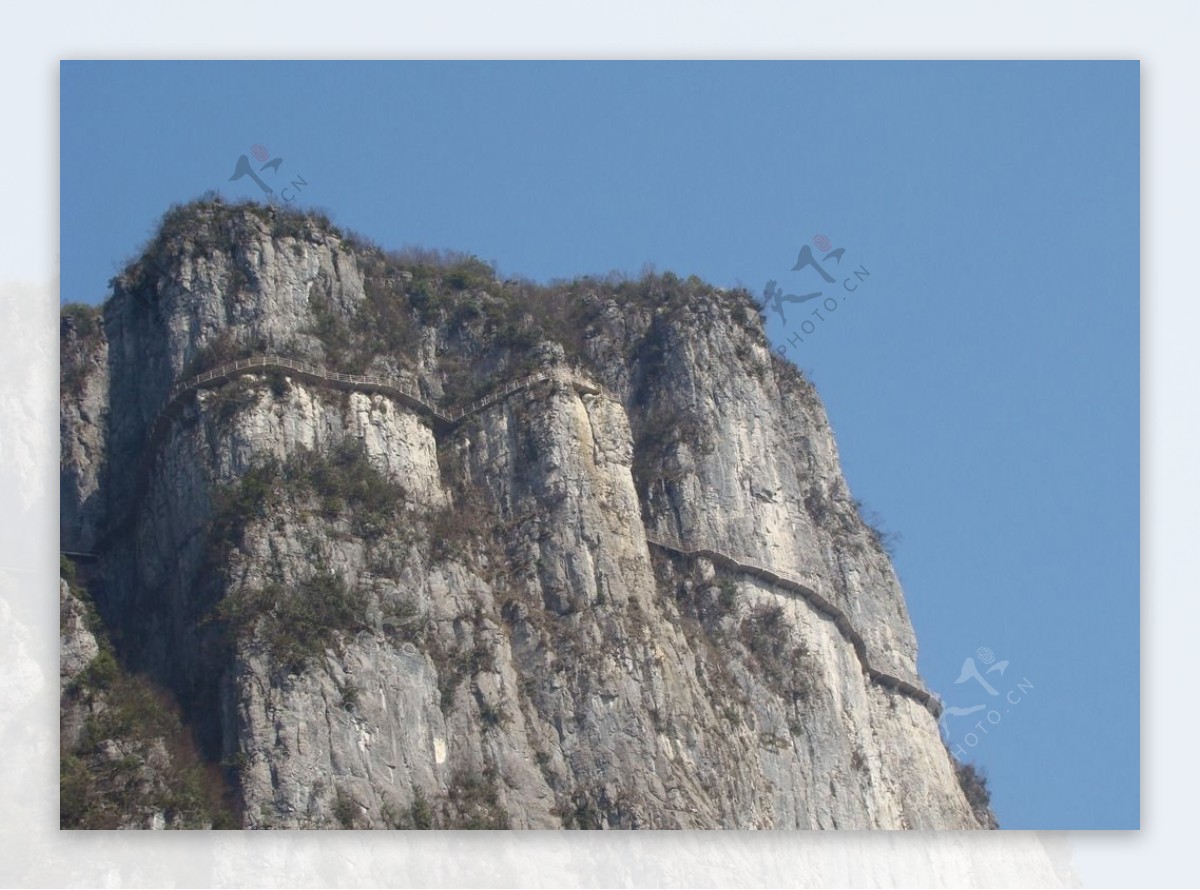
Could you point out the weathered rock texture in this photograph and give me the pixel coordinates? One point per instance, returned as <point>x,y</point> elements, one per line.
<point>377,620</point>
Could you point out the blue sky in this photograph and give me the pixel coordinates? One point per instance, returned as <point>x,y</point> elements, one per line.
<point>983,380</point>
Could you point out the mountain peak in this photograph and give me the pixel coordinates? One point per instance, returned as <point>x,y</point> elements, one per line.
<point>413,544</point>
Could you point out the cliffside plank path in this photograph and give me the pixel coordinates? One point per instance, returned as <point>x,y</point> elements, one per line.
<point>805,585</point>
<point>392,387</point>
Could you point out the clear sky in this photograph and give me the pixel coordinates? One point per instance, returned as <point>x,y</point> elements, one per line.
<point>982,380</point>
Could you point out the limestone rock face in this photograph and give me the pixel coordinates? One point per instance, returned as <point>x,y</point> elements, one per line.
<point>83,423</point>
<point>77,643</point>
<point>376,618</point>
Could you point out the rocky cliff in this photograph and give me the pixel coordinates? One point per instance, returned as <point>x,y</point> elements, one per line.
<point>388,588</point>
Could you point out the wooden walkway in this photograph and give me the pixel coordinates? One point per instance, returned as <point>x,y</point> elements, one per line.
<point>806,586</point>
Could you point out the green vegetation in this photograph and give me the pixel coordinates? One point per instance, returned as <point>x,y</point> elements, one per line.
<point>96,792</point>
<point>973,783</point>
<point>451,532</point>
<point>133,756</point>
<point>726,595</point>
<point>220,350</point>
<point>102,672</point>
<point>818,505</point>
<point>592,809</point>
<point>467,529</point>
<point>342,482</point>
<point>418,815</point>
<point>661,430</point>
<point>350,695</point>
<point>787,668</point>
<point>826,510</point>
<point>473,802</point>
<point>230,399</point>
<point>80,327</point>
<point>297,624</point>
<point>707,617</point>
<point>300,622</point>
<point>773,742</point>
<point>386,322</point>
<point>345,481</point>
<point>235,507</point>
<point>331,329</point>
<point>492,716</point>
<point>581,813</point>
<point>458,663</point>
<point>883,538</point>
<point>67,572</point>
<point>401,292</point>
<point>710,603</point>
<point>419,812</point>
<point>345,810</point>
<point>81,319</point>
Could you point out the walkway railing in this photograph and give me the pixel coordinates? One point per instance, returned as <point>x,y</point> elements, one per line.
<point>806,585</point>
<point>392,386</point>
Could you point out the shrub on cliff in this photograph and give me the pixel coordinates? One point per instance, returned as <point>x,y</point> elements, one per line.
<point>296,623</point>
<point>786,667</point>
<point>132,759</point>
